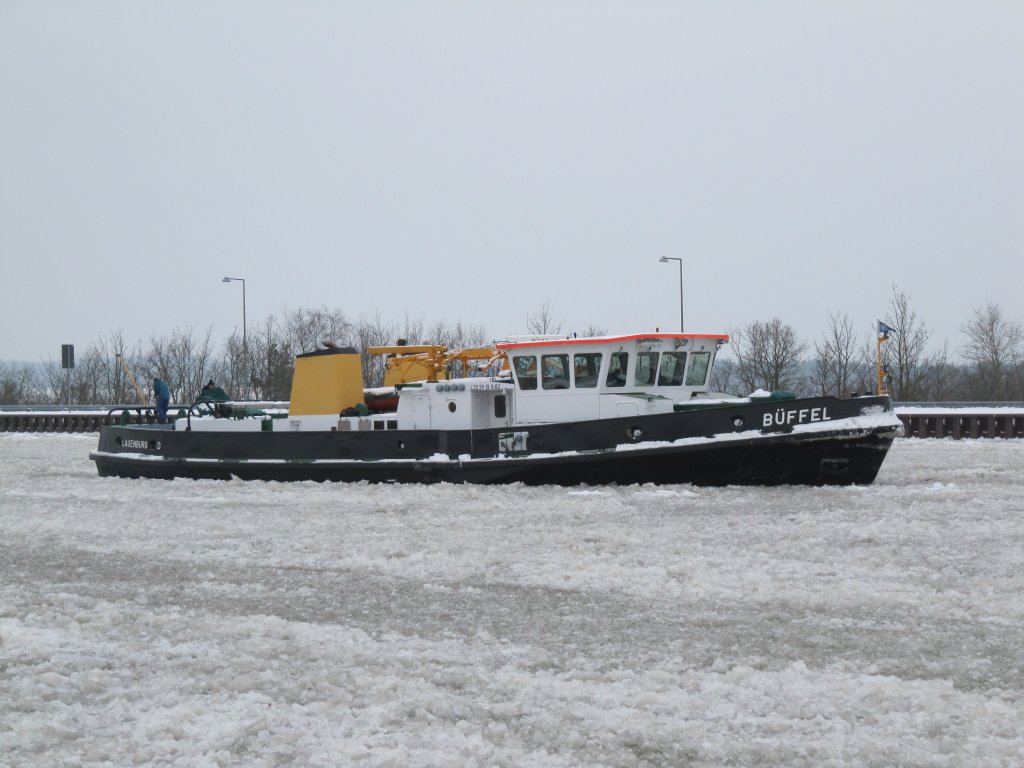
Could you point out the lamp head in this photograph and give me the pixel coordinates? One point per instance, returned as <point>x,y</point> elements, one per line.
<point>226,280</point>
<point>663,259</point>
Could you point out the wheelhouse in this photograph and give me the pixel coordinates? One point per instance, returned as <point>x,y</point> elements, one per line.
<point>572,379</point>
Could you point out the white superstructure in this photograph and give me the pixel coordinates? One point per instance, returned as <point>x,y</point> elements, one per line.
<point>566,380</point>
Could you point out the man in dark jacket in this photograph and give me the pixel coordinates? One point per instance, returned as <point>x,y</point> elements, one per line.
<point>163,398</point>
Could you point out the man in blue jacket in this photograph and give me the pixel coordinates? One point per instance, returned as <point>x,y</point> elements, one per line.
<point>163,399</point>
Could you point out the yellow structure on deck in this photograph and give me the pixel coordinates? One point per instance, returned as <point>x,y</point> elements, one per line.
<point>127,372</point>
<point>425,362</point>
<point>326,381</point>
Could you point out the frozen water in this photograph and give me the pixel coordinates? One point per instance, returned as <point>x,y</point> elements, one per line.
<point>229,623</point>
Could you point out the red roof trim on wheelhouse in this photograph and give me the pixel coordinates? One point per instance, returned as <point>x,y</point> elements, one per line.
<point>609,339</point>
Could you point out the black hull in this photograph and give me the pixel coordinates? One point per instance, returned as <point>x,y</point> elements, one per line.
<point>704,447</point>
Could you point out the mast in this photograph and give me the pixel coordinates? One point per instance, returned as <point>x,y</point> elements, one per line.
<point>883,372</point>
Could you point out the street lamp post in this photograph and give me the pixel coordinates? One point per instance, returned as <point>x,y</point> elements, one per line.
<point>242,281</point>
<point>665,260</point>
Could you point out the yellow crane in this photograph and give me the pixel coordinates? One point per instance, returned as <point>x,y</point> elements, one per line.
<point>138,390</point>
<point>425,362</point>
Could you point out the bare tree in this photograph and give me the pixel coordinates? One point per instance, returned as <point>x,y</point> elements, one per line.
<point>1018,377</point>
<point>270,362</point>
<point>542,322</point>
<point>90,370</point>
<point>835,361</point>
<point>724,377</point>
<point>309,328</point>
<point>906,352</point>
<point>864,373</point>
<point>940,379</point>
<point>19,384</point>
<point>114,385</point>
<point>64,386</point>
<point>233,369</point>
<point>768,356</point>
<point>373,333</point>
<point>260,369</point>
<point>457,336</point>
<point>183,360</point>
<point>994,351</point>
<point>98,376</point>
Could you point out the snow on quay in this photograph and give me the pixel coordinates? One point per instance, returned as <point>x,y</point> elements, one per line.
<point>260,624</point>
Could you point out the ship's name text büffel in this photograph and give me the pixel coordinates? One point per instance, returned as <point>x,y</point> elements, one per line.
<point>781,418</point>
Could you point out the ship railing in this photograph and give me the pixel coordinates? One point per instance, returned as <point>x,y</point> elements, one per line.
<point>143,414</point>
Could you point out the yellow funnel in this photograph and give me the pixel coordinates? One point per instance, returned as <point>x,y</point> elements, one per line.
<point>326,382</point>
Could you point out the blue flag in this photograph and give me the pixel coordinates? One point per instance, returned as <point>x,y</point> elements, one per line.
<point>884,329</point>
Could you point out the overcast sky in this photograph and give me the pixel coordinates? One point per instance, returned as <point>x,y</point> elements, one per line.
<point>472,160</point>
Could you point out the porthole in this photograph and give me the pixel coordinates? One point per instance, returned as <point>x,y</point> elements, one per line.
<point>634,433</point>
<point>400,445</point>
<point>737,421</point>
<point>452,406</point>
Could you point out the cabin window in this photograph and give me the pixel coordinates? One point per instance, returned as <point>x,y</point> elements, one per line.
<point>646,368</point>
<point>617,365</point>
<point>526,371</point>
<point>586,367</point>
<point>698,372</point>
<point>554,371</point>
<point>670,374</point>
<point>499,406</point>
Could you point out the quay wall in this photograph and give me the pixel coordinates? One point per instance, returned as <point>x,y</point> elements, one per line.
<point>962,421</point>
<point>932,420</point>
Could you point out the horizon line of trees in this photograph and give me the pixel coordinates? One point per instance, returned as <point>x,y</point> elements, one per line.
<point>258,367</point>
<point>990,367</point>
<point>762,355</point>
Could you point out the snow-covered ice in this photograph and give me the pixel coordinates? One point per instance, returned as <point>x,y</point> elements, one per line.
<point>232,623</point>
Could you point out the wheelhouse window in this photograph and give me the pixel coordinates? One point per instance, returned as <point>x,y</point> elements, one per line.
<point>554,371</point>
<point>526,371</point>
<point>670,373</point>
<point>617,364</point>
<point>646,369</point>
<point>698,372</point>
<point>586,367</point>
